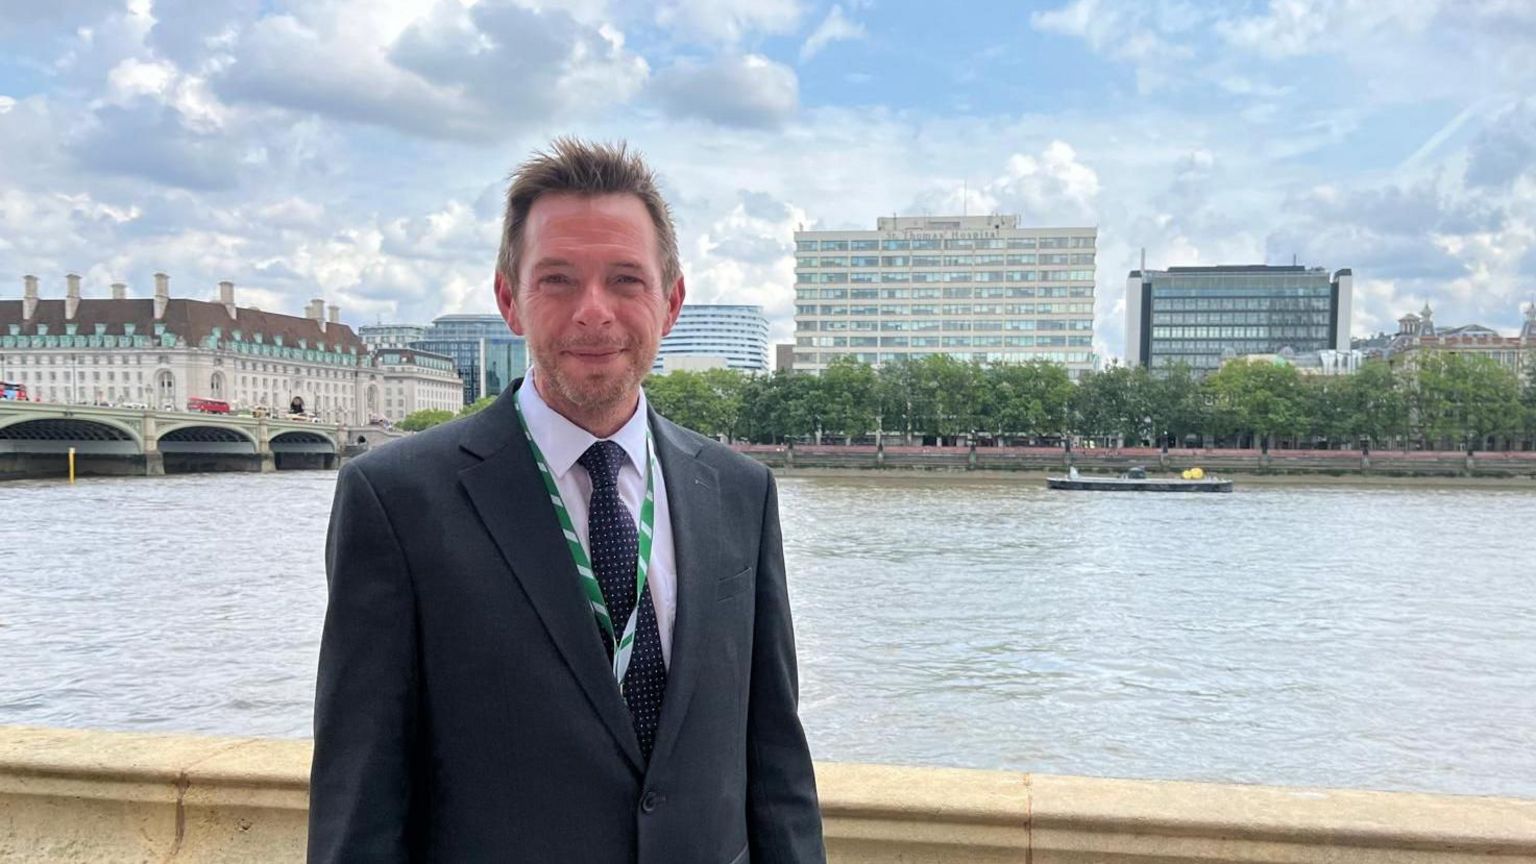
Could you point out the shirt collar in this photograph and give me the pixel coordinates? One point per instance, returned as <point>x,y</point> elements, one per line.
<point>562,442</point>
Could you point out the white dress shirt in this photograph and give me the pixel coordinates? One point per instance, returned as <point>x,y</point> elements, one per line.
<point>562,443</point>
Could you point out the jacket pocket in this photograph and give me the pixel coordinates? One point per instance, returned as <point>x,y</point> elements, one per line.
<point>729,586</point>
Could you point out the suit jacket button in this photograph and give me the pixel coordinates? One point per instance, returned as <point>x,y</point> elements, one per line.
<point>650,802</point>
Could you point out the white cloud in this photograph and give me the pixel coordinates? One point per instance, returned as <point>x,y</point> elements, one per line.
<point>6,104</point>
<point>836,27</point>
<point>1152,35</point>
<point>1053,187</point>
<point>727,22</point>
<point>440,71</point>
<point>748,91</point>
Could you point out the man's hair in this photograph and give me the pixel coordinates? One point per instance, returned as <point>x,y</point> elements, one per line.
<point>588,169</point>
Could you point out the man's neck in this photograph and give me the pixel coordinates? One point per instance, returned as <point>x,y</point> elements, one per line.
<point>602,423</point>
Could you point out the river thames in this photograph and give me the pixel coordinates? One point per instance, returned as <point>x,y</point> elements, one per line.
<point>1338,636</point>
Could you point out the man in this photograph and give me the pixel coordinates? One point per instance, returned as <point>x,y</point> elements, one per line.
<point>559,630</point>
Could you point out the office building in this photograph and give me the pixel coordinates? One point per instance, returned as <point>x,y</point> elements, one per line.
<point>784,357</point>
<point>470,340</point>
<point>1198,315</point>
<point>416,380</point>
<point>971,287</point>
<point>732,337</point>
<point>377,336</point>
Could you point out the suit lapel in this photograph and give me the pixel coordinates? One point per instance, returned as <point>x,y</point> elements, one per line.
<point>693,504</point>
<point>509,495</point>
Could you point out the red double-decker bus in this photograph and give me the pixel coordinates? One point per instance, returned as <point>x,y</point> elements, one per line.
<point>207,406</point>
<point>18,392</point>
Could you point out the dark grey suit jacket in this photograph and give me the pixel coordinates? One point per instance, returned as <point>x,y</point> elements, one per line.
<point>465,710</point>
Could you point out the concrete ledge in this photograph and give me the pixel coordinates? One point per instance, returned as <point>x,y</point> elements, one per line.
<point>78,796</point>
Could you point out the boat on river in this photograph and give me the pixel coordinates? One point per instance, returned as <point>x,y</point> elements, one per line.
<point>1136,480</point>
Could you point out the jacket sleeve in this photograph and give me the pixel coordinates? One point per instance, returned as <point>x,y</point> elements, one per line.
<point>365,692</point>
<point>783,815</point>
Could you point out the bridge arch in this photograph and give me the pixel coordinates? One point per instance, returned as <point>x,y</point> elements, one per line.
<point>304,448</point>
<point>206,438</point>
<point>57,434</point>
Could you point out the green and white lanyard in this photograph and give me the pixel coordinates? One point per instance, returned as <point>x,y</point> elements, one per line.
<point>625,643</point>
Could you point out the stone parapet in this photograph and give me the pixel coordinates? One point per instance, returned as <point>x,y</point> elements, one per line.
<point>86,796</point>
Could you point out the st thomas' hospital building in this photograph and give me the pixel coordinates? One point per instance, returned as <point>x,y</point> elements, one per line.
<point>162,351</point>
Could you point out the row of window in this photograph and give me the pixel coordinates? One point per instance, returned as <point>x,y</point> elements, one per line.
<point>1318,333</point>
<point>1262,304</point>
<point>839,277</point>
<point>963,244</point>
<point>1270,319</point>
<point>1062,259</point>
<point>807,359</point>
<point>943,341</point>
<point>26,377</point>
<point>951,293</point>
<point>949,324</point>
<point>1237,346</point>
<point>949,309</point>
<point>1271,286</point>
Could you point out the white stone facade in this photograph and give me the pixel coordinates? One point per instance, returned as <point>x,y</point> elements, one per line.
<point>160,353</point>
<point>416,381</point>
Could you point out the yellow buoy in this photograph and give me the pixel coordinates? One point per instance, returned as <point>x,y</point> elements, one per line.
<point>71,464</point>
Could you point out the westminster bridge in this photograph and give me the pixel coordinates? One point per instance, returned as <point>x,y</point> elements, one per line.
<point>37,438</point>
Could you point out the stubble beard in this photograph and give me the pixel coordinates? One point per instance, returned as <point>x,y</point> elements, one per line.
<point>595,397</point>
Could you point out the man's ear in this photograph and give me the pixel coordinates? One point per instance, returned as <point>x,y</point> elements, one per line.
<point>674,305</point>
<point>506,301</point>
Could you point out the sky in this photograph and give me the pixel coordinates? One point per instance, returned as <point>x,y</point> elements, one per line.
<point>358,150</point>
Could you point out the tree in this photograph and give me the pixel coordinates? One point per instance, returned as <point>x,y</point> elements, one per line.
<point>951,393</point>
<point>1528,398</point>
<point>1025,399</point>
<point>897,402</point>
<point>1379,404</point>
<point>848,392</point>
<point>729,387</point>
<point>1257,399</point>
<point>424,419</point>
<point>476,406</point>
<point>686,399</point>
<point>1113,403</point>
<point>1175,405</point>
<point>1329,407</point>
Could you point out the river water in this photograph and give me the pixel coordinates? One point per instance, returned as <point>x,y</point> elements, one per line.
<point>1318,636</point>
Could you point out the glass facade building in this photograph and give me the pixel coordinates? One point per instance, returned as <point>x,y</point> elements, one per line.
<point>738,335</point>
<point>972,287</point>
<point>469,339</point>
<point>1199,315</point>
<point>502,361</point>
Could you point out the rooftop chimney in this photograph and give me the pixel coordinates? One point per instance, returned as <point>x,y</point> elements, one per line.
<point>335,316</point>
<point>119,291</point>
<point>227,297</point>
<point>316,312</point>
<point>162,295</point>
<point>29,298</point>
<point>71,297</point>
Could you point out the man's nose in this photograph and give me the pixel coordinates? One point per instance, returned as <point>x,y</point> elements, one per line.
<point>594,306</point>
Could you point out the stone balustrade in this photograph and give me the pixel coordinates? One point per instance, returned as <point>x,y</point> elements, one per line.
<point>87,796</point>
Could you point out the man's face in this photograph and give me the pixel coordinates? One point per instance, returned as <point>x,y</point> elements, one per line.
<point>590,299</point>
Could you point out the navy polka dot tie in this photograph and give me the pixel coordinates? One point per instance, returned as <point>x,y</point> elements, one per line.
<point>613,543</point>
